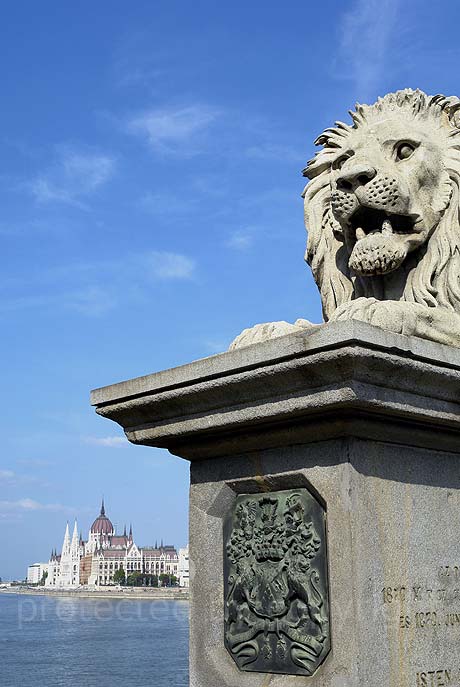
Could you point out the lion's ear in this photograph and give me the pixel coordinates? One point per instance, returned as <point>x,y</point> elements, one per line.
<point>326,253</point>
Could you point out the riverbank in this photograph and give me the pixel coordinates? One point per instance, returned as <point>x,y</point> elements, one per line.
<point>137,593</point>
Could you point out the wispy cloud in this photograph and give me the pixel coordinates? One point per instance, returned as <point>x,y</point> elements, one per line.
<point>91,301</point>
<point>110,442</point>
<point>12,478</point>
<point>166,265</point>
<point>366,32</point>
<point>173,130</point>
<point>74,176</point>
<point>241,239</point>
<point>27,504</point>
<point>95,288</point>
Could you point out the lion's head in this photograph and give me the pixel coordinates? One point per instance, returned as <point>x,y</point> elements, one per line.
<point>382,204</point>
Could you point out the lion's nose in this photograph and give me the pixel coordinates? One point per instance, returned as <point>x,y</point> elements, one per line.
<point>354,177</point>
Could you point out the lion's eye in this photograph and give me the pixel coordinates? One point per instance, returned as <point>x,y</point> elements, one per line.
<point>338,164</point>
<point>404,150</point>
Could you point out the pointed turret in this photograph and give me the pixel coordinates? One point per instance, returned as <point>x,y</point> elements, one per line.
<point>74,544</point>
<point>66,542</point>
<point>124,532</point>
<point>102,507</point>
<point>130,532</point>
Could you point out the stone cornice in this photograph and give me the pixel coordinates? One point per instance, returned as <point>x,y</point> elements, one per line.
<point>340,379</point>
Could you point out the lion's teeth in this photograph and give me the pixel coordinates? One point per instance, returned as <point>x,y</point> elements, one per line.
<point>360,233</point>
<point>387,229</point>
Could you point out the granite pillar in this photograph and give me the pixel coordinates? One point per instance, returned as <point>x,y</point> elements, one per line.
<point>362,422</point>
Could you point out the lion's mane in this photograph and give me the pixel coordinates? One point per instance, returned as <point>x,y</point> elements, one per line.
<point>433,272</point>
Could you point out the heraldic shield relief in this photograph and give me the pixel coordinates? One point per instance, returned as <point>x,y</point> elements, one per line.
<point>276,583</point>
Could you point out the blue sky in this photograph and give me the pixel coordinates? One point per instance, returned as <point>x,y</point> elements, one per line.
<point>150,210</point>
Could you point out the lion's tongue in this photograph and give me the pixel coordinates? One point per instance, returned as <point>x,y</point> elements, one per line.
<point>386,230</point>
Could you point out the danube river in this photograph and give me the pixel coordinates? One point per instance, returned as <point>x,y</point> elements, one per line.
<point>63,642</point>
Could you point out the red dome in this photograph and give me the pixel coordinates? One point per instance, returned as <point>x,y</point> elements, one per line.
<point>102,524</point>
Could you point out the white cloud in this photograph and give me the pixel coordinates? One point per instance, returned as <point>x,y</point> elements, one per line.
<point>166,265</point>
<point>94,288</point>
<point>366,31</point>
<point>111,442</point>
<point>173,130</point>
<point>10,478</point>
<point>27,504</point>
<point>92,301</point>
<point>75,175</point>
<point>242,239</point>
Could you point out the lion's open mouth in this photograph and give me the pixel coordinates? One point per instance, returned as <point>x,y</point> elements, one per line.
<point>371,221</point>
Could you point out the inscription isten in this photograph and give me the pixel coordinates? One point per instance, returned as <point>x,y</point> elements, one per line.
<point>276,585</point>
<point>424,611</point>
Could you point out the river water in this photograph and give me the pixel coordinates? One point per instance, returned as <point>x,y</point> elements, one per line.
<point>65,642</point>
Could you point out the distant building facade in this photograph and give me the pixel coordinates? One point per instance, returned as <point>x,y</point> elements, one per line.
<point>35,572</point>
<point>184,567</point>
<point>95,561</point>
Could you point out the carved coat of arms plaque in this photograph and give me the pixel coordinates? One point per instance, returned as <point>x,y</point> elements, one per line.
<point>276,583</point>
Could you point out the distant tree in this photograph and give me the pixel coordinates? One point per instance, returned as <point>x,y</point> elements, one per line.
<point>134,579</point>
<point>150,580</point>
<point>43,580</point>
<point>168,580</point>
<point>119,576</point>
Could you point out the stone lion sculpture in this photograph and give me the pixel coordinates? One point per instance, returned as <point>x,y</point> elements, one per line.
<point>382,211</point>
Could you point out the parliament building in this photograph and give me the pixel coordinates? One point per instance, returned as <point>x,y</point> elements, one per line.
<point>95,561</point>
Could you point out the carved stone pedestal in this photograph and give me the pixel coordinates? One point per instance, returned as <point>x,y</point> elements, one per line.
<point>324,506</point>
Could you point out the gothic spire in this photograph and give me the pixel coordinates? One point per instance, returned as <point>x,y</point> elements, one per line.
<point>74,543</point>
<point>102,507</point>
<point>66,542</point>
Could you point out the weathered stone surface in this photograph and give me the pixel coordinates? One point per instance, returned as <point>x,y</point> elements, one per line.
<point>393,518</point>
<point>369,421</point>
<point>382,210</point>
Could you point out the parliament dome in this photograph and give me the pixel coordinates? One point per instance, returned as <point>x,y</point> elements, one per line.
<point>102,524</point>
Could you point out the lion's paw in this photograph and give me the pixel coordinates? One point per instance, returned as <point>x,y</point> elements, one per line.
<point>267,331</point>
<point>358,309</point>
